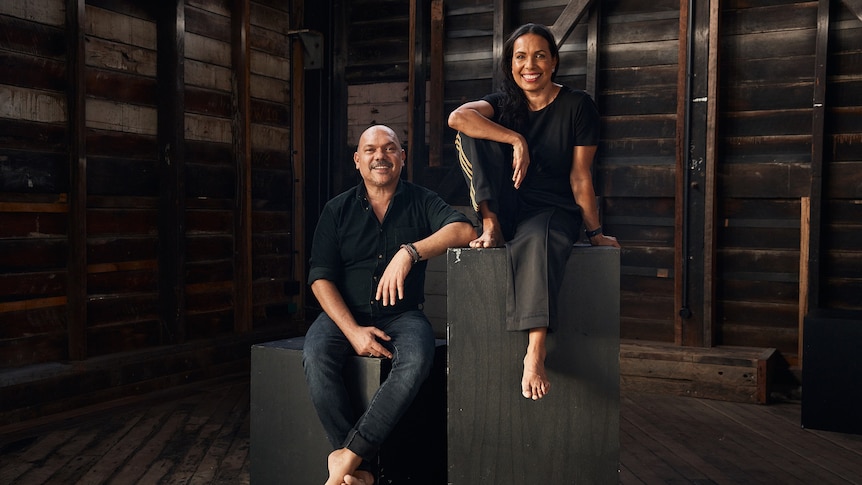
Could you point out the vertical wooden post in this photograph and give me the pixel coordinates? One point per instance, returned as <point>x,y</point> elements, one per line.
<point>592,82</point>
<point>804,235</point>
<point>416,86</point>
<point>298,153</point>
<point>241,127</point>
<point>690,327</point>
<point>170,41</point>
<point>436,115</point>
<point>76,268</point>
<point>710,328</point>
<point>821,55</point>
<point>342,169</point>
<point>502,26</point>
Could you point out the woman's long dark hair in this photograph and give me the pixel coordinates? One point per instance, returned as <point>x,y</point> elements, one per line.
<point>513,112</point>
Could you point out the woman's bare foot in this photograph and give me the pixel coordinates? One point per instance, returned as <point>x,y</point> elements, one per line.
<point>491,238</point>
<point>342,465</point>
<point>492,235</point>
<point>534,383</point>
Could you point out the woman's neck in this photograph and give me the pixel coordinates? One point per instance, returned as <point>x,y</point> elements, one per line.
<point>539,100</point>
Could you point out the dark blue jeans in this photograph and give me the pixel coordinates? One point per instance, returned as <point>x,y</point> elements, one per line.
<point>324,354</point>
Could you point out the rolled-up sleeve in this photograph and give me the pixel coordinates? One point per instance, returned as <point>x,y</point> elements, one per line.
<point>325,262</point>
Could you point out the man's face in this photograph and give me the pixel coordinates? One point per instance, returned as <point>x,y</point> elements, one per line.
<point>379,157</point>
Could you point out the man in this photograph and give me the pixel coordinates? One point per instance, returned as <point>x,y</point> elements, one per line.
<point>367,271</point>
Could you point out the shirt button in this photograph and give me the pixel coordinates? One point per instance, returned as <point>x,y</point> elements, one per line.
<point>379,256</point>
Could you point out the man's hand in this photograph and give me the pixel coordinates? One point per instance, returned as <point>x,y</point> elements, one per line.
<point>390,289</point>
<point>366,341</point>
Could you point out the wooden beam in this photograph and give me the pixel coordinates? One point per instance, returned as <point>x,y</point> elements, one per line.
<point>696,331</point>
<point>710,327</point>
<point>170,41</point>
<point>804,236</point>
<point>821,56</point>
<point>241,75</point>
<point>502,25</point>
<point>690,326</point>
<point>341,166</point>
<point>592,84</point>
<point>680,241</point>
<point>417,74</point>
<point>298,154</point>
<point>855,6</point>
<point>76,303</point>
<point>436,94</point>
<point>568,19</point>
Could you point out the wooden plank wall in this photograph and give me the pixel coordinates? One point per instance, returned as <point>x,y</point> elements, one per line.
<point>842,208</point>
<point>34,181</point>
<point>767,69</point>
<point>122,180</point>
<point>635,169</point>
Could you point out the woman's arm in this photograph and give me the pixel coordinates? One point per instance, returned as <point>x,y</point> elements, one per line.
<point>474,120</point>
<point>581,180</point>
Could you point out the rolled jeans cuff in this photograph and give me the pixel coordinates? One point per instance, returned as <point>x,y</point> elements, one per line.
<point>359,445</point>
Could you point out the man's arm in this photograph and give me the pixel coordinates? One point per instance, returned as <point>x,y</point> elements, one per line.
<point>452,235</point>
<point>363,339</point>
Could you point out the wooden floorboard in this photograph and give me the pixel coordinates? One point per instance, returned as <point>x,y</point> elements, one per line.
<point>200,436</point>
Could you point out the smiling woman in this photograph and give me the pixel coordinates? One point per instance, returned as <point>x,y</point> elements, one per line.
<point>549,133</point>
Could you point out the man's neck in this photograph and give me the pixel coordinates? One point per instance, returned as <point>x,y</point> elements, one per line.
<point>379,198</point>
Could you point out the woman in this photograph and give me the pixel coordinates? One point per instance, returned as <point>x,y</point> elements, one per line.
<point>548,134</point>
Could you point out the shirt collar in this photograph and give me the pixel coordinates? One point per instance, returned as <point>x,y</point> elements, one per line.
<point>362,192</point>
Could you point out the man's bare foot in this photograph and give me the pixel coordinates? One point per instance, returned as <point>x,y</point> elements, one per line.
<point>359,477</point>
<point>342,464</point>
<point>534,384</point>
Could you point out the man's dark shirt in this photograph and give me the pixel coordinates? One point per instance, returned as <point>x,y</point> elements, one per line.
<point>351,248</point>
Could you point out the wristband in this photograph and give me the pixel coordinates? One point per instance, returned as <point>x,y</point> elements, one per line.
<point>595,232</point>
<point>411,250</point>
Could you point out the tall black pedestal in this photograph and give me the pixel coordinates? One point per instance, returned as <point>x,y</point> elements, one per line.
<point>495,435</point>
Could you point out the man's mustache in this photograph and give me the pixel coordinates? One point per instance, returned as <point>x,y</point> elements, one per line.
<point>381,164</point>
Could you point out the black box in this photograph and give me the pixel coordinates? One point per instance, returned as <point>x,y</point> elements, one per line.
<point>832,371</point>
<point>288,444</point>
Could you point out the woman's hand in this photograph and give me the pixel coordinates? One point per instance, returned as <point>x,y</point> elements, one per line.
<point>520,161</point>
<point>604,240</point>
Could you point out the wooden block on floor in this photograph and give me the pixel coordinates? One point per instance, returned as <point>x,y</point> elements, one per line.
<point>288,444</point>
<point>738,374</point>
<point>495,435</point>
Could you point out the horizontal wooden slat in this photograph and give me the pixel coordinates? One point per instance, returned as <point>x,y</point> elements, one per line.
<point>27,305</point>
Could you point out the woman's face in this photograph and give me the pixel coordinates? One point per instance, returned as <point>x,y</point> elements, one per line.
<point>532,63</point>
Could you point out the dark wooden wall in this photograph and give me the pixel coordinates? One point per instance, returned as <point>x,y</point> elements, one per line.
<point>147,184</point>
